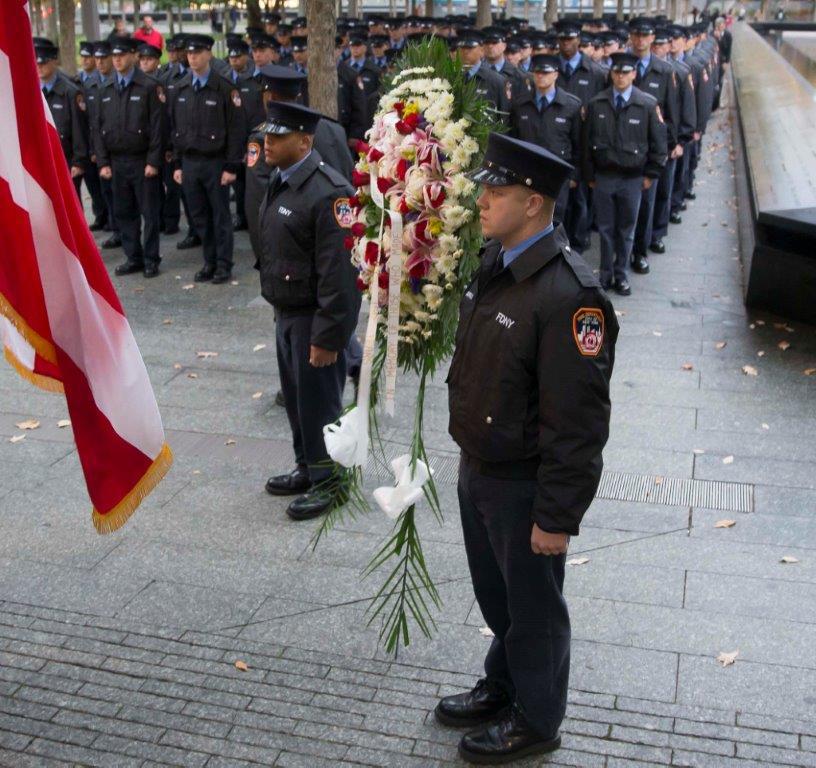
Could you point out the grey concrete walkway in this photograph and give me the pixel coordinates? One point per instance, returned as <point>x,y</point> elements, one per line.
<point>120,651</point>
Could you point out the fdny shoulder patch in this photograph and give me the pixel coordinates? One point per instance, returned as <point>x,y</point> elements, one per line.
<point>253,153</point>
<point>343,213</point>
<point>588,330</point>
<point>236,98</point>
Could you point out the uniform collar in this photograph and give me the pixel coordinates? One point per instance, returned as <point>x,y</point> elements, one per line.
<point>287,173</point>
<point>574,62</point>
<point>49,84</point>
<point>627,94</point>
<point>194,78</point>
<point>127,77</point>
<point>540,253</point>
<point>499,65</point>
<point>472,72</point>
<point>511,254</point>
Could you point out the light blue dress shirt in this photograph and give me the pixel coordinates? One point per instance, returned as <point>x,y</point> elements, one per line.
<point>287,172</point>
<point>510,255</point>
<point>202,80</point>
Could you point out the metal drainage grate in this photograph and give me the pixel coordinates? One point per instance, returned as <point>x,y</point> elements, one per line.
<point>675,491</point>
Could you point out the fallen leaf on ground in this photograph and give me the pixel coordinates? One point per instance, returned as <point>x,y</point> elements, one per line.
<point>725,523</point>
<point>765,426</point>
<point>188,287</point>
<point>687,367</point>
<point>784,345</point>
<point>658,480</point>
<point>16,438</point>
<point>257,395</point>
<point>230,442</point>
<point>242,665</point>
<point>486,632</point>
<point>809,371</point>
<point>721,344</point>
<point>196,471</point>
<point>726,659</point>
<point>62,423</point>
<point>192,375</point>
<point>698,451</point>
<point>789,560</point>
<point>177,366</point>
<point>29,424</point>
<point>578,561</point>
<point>258,347</point>
<point>167,321</point>
<point>234,282</point>
<point>728,460</point>
<point>749,370</point>
<point>656,333</point>
<point>619,313</point>
<point>206,355</point>
<point>178,277</point>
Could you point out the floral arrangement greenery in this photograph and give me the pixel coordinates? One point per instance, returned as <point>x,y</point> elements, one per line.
<point>415,242</point>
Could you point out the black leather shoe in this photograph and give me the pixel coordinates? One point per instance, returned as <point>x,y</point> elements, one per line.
<point>204,274</point>
<point>658,246</point>
<point>297,481</point>
<point>97,226</point>
<point>114,241</point>
<point>675,218</point>
<point>622,288</point>
<point>508,739</point>
<point>151,270</point>
<point>128,268</point>
<point>279,399</point>
<point>640,264</point>
<point>483,704</point>
<point>239,225</point>
<point>171,230</point>
<point>314,503</point>
<point>221,276</point>
<point>191,241</point>
<point>607,284</point>
<point>690,196</point>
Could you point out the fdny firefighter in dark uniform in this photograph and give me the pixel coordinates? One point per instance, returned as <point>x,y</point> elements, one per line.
<point>490,85</point>
<point>548,116</point>
<point>624,153</point>
<point>208,138</point>
<point>306,274</point>
<point>529,408</point>
<point>130,131</point>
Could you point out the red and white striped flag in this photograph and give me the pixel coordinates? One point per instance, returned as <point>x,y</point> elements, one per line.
<point>61,322</point>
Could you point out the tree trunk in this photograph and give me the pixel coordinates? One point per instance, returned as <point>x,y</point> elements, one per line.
<point>253,13</point>
<point>35,9</point>
<point>551,12</point>
<point>597,8</point>
<point>67,35</point>
<point>90,19</point>
<point>619,14</point>
<point>51,29</point>
<point>352,11</point>
<point>322,69</point>
<point>484,17</point>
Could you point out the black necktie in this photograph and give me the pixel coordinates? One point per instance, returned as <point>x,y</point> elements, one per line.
<point>568,71</point>
<point>45,91</point>
<point>618,103</point>
<point>275,184</point>
<point>197,86</point>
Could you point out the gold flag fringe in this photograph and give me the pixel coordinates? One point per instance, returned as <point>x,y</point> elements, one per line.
<point>37,379</point>
<point>45,349</point>
<point>120,514</point>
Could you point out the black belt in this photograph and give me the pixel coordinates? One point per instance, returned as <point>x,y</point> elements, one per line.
<point>523,469</point>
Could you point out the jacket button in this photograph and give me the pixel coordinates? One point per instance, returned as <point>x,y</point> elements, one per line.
<point>489,419</point>
<point>286,278</point>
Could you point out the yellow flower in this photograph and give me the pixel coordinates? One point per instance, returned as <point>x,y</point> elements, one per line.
<point>410,108</point>
<point>409,153</point>
<point>435,227</point>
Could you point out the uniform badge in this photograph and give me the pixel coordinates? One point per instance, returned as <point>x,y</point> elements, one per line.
<point>343,213</point>
<point>236,98</point>
<point>588,330</point>
<point>253,153</point>
<point>659,113</point>
<point>80,101</point>
<point>160,93</point>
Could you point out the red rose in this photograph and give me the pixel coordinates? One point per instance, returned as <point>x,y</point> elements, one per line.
<point>404,127</point>
<point>402,168</point>
<point>355,203</point>
<point>358,229</point>
<point>403,206</point>
<point>372,251</point>
<point>437,201</point>
<point>374,154</point>
<point>412,119</point>
<point>384,184</point>
<point>398,107</point>
<point>348,242</point>
<point>419,270</point>
<point>383,279</point>
<point>361,147</point>
<point>361,285</point>
<point>360,179</point>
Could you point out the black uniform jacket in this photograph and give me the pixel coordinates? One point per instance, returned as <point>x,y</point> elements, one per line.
<point>352,103</point>
<point>556,128</point>
<point>586,81</point>
<point>130,122</point>
<point>305,266</point>
<point>631,142</point>
<point>660,81</point>
<point>251,100</point>
<point>529,382</point>
<point>369,74</point>
<point>494,89</point>
<point>688,101</point>
<point>68,108</point>
<point>209,123</point>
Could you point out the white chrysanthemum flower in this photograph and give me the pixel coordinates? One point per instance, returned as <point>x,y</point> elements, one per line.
<point>461,186</point>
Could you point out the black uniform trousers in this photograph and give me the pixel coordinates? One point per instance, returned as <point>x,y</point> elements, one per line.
<point>136,197</point>
<point>313,396</point>
<point>681,179</point>
<point>578,216</point>
<point>107,195</point>
<point>644,229</point>
<point>92,184</point>
<point>208,201</point>
<point>519,593</point>
<point>665,185</point>
<point>239,187</point>
<point>170,199</point>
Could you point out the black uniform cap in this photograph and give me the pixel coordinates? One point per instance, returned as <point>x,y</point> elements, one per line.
<point>642,26</point>
<point>237,48</point>
<point>676,31</point>
<point>469,38</point>
<point>623,61</point>
<point>566,28</point>
<point>662,35</point>
<point>270,17</point>
<point>177,43</point>
<point>196,42</point>
<point>86,48</point>
<point>494,34</point>
<point>511,161</point>
<point>262,40</point>
<point>544,62</point>
<point>587,38</point>
<point>45,50</point>
<point>102,49</point>
<point>379,40</point>
<point>147,51</point>
<point>609,36</point>
<point>358,36</point>
<point>123,45</point>
<point>300,43</point>
<point>513,45</point>
<point>284,117</point>
<point>285,81</point>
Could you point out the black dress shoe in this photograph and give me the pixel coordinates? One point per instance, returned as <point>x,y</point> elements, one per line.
<point>607,284</point>
<point>314,503</point>
<point>204,274</point>
<point>151,270</point>
<point>508,739</point>
<point>640,264</point>
<point>280,400</point>
<point>191,241</point>
<point>297,481</point>
<point>622,288</point>
<point>690,196</point>
<point>221,276</point>
<point>97,226</point>
<point>483,704</point>
<point>171,229</point>
<point>238,224</point>
<point>114,241</point>
<point>658,246</point>
<point>675,218</point>
<point>128,268</point>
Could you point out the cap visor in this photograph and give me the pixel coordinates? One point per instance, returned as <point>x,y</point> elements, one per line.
<point>488,176</point>
<point>274,129</point>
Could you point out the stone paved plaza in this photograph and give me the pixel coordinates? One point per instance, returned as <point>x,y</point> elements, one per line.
<point>121,650</point>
